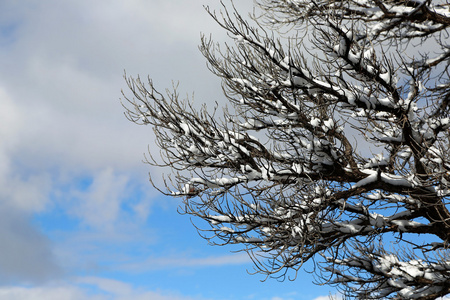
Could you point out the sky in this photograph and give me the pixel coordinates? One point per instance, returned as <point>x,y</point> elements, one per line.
<point>78,217</point>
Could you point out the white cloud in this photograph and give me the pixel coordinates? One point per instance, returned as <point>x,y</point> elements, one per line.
<point>24,191</point>
<point>87,288</point>
<point>66,79</point>
<point>64,70</point>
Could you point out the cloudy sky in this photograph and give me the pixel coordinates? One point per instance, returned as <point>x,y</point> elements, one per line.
<point>78,218</point>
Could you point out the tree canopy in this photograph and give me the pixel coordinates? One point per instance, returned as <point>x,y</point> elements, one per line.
<point>335,148</point>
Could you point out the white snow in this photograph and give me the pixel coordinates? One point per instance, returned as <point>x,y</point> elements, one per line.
<point>328,124</point>
<point>186,128</point>
<point>373,175</point>
<point>402,224</point>
<point>219,219</point>
<point>349,228</point>
<point>242,239</point>
<point>315,122</point>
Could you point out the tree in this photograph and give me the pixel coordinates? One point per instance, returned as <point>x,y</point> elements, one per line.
<point>337,147</point>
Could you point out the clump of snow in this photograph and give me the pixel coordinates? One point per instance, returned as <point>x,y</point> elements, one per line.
<point>327,125</point>
<point>315,122</point>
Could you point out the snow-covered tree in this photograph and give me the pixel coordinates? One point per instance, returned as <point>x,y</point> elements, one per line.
<point>335,148</point>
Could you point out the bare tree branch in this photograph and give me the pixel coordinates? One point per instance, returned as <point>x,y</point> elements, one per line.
<point>337,147</point>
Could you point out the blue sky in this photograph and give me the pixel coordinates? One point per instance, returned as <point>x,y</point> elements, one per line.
<point>78,217</point>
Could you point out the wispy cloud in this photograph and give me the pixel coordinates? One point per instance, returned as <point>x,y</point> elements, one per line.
<point>99,205</point>
<point>154,263</point>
